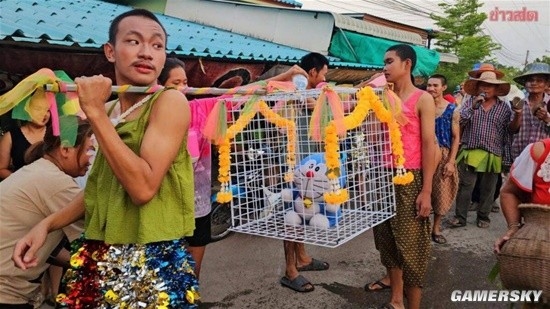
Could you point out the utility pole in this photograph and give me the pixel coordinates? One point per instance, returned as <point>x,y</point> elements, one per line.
<point>526,58</point>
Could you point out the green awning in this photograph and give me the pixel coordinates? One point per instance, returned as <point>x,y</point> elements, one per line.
<point>355,47</point>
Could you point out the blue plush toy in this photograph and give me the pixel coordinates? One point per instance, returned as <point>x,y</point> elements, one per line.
<point>306,197</point>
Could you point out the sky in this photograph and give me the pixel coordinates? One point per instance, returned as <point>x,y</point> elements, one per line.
<point>520,40</point>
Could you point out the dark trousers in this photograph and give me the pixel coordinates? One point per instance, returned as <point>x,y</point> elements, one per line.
<point>475,193</point>
<point>468,177</point>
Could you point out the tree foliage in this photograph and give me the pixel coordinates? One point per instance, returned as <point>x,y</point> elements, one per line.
<point>545,59</point>
<point>461,35</point>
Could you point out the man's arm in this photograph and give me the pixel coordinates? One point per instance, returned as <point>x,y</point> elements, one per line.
<point>24,253</point>
<point>544,116</point>
<point>466,112</point>
<point>426,111</point>
<point>140,174</point>
<point>5,157</point>
<point>287,75</point>
<point>515,124</point>
<point>455,132</point>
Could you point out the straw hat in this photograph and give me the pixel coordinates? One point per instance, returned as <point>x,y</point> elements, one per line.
<point>536,68</point>
<point>503,87</point>
<point>485,67</point>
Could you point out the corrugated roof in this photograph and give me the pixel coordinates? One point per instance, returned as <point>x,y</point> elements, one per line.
<point>361,26</point>
<point>296,4</point>
<point>84,23</point>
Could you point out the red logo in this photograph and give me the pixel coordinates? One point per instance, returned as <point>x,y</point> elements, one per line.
<point>513,15</point>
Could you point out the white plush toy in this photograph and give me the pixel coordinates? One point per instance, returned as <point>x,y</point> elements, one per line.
<point>306,198</point>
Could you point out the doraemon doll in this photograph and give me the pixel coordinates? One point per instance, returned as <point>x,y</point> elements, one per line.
<point>306,197</point>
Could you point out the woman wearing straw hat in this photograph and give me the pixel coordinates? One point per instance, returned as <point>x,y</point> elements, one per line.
<point>535,112</point>
<point>486,125</point>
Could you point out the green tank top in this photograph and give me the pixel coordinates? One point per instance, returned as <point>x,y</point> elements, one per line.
<point>113,218</point>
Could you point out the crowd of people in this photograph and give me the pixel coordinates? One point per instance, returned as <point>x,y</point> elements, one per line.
<point>137,226</point>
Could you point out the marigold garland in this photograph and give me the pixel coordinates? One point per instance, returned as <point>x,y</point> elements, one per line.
<point>290,127</point>
<point>225,195</point>
<point>338,195</point>
<point>384,115</point>
<point>367,100</point>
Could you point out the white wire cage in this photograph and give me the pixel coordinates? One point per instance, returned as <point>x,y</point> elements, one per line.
<point>265,204</point>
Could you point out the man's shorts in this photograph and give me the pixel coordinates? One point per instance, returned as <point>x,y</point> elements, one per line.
<point>202,233</point>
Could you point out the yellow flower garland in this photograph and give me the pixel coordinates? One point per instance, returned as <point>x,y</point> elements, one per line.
<point>367,94</point>
<point>290,127</point>
<point>337,195</point>
<point>225,195</point>
<point>367,100</point>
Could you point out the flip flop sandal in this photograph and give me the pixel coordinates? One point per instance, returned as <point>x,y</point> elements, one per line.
<point>299,284</point>
<point>438,238</point>
<point>387,306</point>
<point>455,223</point>
<point>315,265</point>
<point>482,224</point>
<point>369,287</point>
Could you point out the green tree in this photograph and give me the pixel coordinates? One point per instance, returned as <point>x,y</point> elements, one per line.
<point>545,59</point>
<point>461,35</point>
<point>510,73</point>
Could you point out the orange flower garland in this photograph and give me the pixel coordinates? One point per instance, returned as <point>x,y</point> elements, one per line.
<point>367,94</point>
<point>225,195</point>
<point>367,100</point>
<point>290,127</point>
<point>337,195</point>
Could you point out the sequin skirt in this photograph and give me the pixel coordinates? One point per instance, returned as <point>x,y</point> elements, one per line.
<point>154,275</point>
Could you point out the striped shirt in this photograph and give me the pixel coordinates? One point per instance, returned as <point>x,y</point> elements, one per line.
<point>487,130</point>
<point>532,129</point>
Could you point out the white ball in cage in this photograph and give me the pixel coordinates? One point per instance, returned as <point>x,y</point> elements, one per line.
<point>292,218</point>
<point>332,207</point>
<point>287,195</point>
<point>319,221</point>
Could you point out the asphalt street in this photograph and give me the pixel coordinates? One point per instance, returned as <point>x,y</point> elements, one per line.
<point>243,271</point>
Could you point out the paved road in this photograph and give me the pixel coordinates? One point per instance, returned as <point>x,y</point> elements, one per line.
<point>243,271</point>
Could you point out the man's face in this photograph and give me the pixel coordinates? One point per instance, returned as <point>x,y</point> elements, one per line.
<point>435,87</point>
<point>315,77</point>
<point>394,67</point>
<point>139,51</point>
<point>536,83</point>
<point>488,89</point>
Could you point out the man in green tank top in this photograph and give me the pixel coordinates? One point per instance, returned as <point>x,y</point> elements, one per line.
<point>139,195</point>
